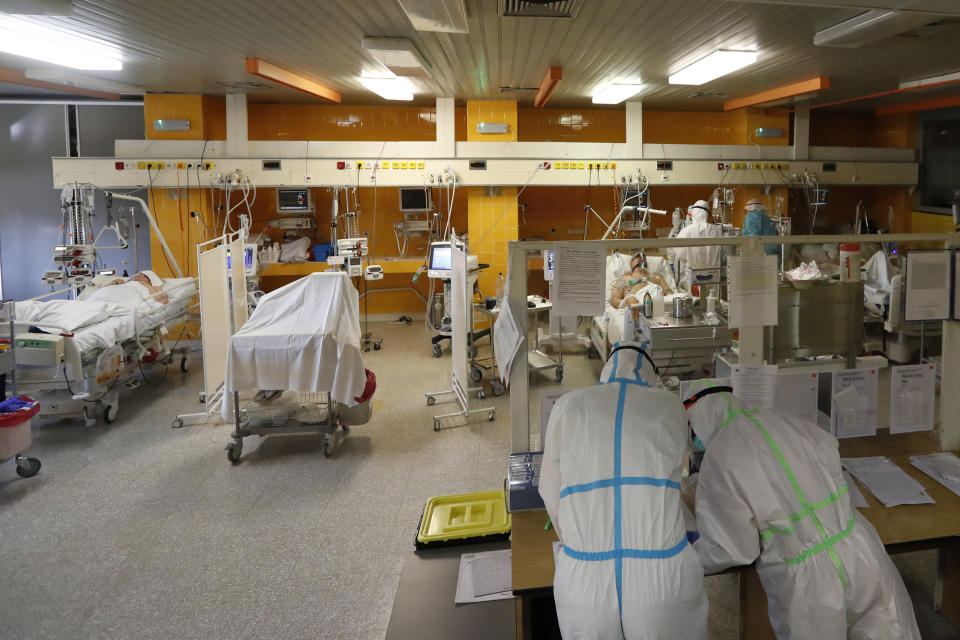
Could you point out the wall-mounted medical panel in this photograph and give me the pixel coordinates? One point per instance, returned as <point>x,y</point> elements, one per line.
<point>138,172</point>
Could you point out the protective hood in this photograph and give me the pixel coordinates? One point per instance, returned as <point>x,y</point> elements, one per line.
<point>628,365</point>
<point>699,211</point>
<point>710,413</point>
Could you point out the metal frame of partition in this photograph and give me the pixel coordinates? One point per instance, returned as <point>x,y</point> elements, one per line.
<point>751,338</point>
<point>223,305</point>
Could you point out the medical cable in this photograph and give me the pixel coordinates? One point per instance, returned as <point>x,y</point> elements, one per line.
<point>98,399</point>
<point>153,207</point>
<point>506,208</point>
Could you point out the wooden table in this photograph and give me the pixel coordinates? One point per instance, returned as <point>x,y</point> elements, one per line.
<point>902,529</point>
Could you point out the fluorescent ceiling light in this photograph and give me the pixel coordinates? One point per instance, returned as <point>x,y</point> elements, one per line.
<point>449,16</point>
<point>398,55</point>
<point>389,88</point>
<point>870,26</point>
<point>615,92</point>
<point>719,63</point>
<point>37,7</point>
<point>72,79</point>
<point>913,84</point>
<point>59,46</point>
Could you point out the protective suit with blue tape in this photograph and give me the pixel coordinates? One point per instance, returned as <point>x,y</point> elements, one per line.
<point>610,480</point>
<point>771,491</point>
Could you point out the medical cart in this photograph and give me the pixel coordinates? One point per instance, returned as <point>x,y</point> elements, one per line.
<point>14,439</point>
<point>537,360</point>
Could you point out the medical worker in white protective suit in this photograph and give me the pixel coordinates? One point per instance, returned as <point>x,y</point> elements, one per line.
<point>610,480</point>
<point>699,227</point>
<point>770,490</point>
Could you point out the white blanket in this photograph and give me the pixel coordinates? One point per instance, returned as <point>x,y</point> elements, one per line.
<point>66,316</point>
<point>129,295</point>
<point>302,337</point>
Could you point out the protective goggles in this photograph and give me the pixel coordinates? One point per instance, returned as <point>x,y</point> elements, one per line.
<point>643,353</point>
<point>705,392</point>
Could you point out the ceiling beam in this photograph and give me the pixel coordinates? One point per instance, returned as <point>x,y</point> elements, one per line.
<point>921,105</point>
<point>787,91</point>
<point>273,73</point>
<point>547,86</point>
<point>15,76</point>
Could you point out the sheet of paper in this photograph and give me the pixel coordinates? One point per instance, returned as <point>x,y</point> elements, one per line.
<point>716,382</point>
<point>578,279</point>
<point>796,394</point>
<point>888,482</point>
<point>928,287</point>
<point>913,390</point>
<point>755,384</point>
<point>507,339</point>
<point>548,398</point>
<point>853,410</point>
<point>856,498</point>
<point>943,467</point>
<point>753,291</point>
<point>490,573</point>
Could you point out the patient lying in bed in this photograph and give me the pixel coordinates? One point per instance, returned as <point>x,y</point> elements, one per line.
<point>141,286</point>
<point>634,280</point>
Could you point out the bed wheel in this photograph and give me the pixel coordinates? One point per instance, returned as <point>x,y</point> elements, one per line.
<point>437,351</point>
<point>376,346</point>
<point>430,401</point>
<point>476,373</point>
<point>327,449</point>
<point>184,365</point>
<point>491,416</point>
<point>177,423</point>
<point>234,449</point>
<point>497,388</point>
<point>559,375</point>
<point>27,467</point>
<point>109,414</point>
<point>436,425</point>
<point>85,416</point>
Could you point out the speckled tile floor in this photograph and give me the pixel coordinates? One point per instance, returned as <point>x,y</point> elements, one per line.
<point>137,530</point>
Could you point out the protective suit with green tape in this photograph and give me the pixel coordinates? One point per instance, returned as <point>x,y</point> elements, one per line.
<point>771,491</point>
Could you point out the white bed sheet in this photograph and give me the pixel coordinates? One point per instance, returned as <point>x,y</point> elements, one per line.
<point>117,321</point>
<point>302,337</point>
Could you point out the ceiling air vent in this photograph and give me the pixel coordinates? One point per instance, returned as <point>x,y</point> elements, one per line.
<point>540,8</point>
<point>518,90</point>
<point>707,94</point>
<point>243,85</point>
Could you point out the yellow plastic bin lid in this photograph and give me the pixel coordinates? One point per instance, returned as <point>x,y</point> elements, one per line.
<point>457,518</point>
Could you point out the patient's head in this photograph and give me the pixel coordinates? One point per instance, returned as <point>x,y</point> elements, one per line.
<point>637,261</point>
<point>142,279</point>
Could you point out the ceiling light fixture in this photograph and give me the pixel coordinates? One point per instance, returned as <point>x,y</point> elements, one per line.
<point>870,26</point>
<point>55,45</point>
<point>71,79</point>
<point>389,88</point>
<point>447,16</point>
<point>398,55</point>
<point>717,64</point>
<point>948,78</point>
<point>615,92</point>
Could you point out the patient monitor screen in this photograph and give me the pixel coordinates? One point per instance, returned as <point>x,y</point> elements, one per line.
<point>440,260</point>
<point>293,201</point>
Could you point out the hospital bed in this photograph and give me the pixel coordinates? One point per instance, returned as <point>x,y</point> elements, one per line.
<point>606,330</point>
<point>301,349</point>
<point>76,355</point>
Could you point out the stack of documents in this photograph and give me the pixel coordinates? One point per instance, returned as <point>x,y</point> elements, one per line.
<point>888,482</point>
<point>856,498</point>
<point>942,467</point>
<point>484,576</point>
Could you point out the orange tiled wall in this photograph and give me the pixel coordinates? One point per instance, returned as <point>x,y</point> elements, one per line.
<point>340,122</point>
<point>842,129</point>
<point>708,127</point>
<point>571,125</point>
<point>491,111</point>
<point>492,223</point>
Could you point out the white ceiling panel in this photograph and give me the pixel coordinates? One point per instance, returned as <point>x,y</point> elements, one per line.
<point>189,46</point>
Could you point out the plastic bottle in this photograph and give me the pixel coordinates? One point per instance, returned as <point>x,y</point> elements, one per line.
<point>501,287</point>
<point>648,306</point>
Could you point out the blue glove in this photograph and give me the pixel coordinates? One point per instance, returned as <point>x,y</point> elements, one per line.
<point>693,536</point>
<point>11,405</point>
